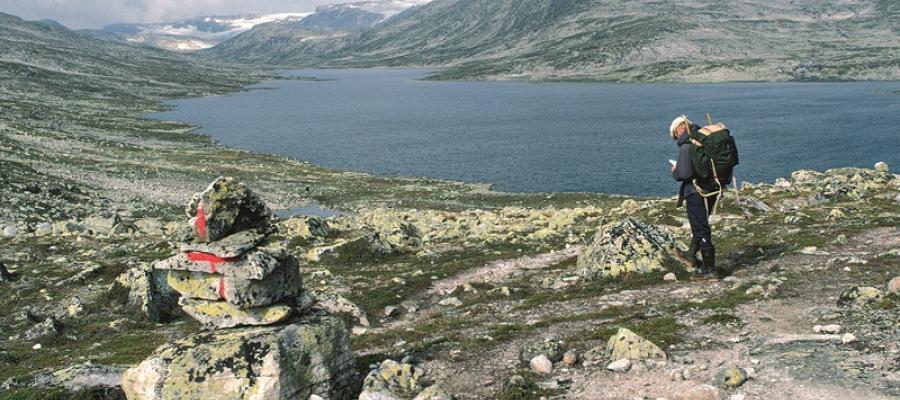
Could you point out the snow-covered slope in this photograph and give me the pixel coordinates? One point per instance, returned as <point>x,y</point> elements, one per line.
<point>195,33</point>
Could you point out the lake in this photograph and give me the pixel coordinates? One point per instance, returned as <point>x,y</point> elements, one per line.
<point>547,137</point>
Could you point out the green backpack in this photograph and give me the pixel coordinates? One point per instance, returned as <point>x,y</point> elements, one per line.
<point>716,158</point>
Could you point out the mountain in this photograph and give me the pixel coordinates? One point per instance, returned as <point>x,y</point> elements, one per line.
<point>350,16</point>
<point>645,40</point>
<point>195,33</point>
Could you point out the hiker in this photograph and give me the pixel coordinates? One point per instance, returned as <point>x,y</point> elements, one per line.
<point>700,193</point>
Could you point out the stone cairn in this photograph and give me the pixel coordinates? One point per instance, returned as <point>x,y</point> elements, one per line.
<point>264,338</point>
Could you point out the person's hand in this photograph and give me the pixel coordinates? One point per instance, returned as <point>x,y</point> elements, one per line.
<point>673,167</point>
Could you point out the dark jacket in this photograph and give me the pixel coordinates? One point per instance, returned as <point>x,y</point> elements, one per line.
<point>684,170</point>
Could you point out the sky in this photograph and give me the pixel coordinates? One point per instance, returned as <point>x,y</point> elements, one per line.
<point>78,14</point>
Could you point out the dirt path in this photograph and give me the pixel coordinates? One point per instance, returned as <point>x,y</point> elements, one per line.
<point>497,271</point>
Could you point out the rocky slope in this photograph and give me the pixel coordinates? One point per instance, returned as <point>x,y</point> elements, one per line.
<point>611,41</point>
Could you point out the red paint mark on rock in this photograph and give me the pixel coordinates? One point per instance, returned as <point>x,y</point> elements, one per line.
<point>222,287</point>
<point>200,224</point>
<point>213,260</point>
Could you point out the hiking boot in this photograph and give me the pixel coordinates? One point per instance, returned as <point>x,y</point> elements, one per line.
<point>709,264</point>
<point>689,258</point>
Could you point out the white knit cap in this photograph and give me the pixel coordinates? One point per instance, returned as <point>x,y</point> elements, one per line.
<point>678,121</point>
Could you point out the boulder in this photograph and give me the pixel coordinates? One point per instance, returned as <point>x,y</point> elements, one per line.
<point>882,166</point>
<point>629,246</point>
<point>309,357</point>
<point>10,231</point>
<point>622,365</point>
<point>731,377</point>
<point>148,289</point>
<point>226,207</point>
<point>626,344</point>
<point>393,380</point>
<point>859,296</point>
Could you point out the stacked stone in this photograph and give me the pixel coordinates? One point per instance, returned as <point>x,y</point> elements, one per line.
<point>264,338</point>
<point>229,274</point>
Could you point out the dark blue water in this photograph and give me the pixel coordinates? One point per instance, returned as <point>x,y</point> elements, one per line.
<point>609,138</point>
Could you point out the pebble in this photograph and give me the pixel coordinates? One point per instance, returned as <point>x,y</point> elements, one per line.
<point>670,277</point>
<point>882,166</point>
<point>570,358</point>
<point>37,346</point>
<point>833,328</point>
<point>541,364</point>
<point>622,365</point>
<point>894,285</point>
<point>391,311</point>
<point>848,338</point>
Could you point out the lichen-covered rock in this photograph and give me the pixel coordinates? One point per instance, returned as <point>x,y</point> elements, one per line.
<point>231,246</point>
<point>552,348</point>
<point>148,289</point>
<point>433,392</point>
<point>394,238</point>
<point>731,377</point>
<point>629,246</point>
<point>392,380</point>
<point>859,296</point>
<point>83,376</point>
<point>846,183</point>
<point>103,225</point>
<point>255,265</point>
<point>337,304</point>
<point>226,207</point>
<point>150,226</point>
<point>221,314</point>
<point>309,357</point>
<point>306,227</point>
<point>284,282</point>
<point>626,344</point>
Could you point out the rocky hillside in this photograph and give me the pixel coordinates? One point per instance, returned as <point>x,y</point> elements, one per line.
<point>611,40</point>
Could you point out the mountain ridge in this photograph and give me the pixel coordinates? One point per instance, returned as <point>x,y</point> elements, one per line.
<point>769,40</point>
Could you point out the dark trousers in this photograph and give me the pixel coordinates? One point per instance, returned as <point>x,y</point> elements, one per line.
<point>698,215</point>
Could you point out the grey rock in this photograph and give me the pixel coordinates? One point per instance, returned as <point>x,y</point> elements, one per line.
<point>391,311</point>
<point>231,246</point>
<point>336,304</point>
<point>893,286</point>
<point>47,329</point>
<point>622,365</point>
<point>629,246</point>
<point>296,361</point>
<point>255,265</point>
<point>284,282</point>
<point>148,289</point>
<point>882,166</point>
<point>102,225</point>
<point>83,376</point>
<point>224,208</point>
